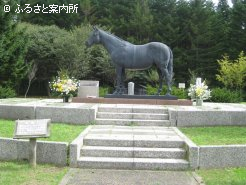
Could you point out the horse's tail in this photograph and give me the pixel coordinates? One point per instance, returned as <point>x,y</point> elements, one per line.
<point>170,65</point>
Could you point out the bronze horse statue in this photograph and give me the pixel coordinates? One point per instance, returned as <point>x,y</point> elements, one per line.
<point>125,55</point>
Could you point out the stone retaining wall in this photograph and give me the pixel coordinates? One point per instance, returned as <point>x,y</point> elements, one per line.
<point>17,112</point>
<point>222,156</point>
<point>214,156</point>
<point>75,148</point>
<point>47,152</point>
<point>66,114</point>
<point>73,115</point>
<point>180,118</point>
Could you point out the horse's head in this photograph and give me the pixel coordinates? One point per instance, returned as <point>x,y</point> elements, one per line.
<point>94,37</point>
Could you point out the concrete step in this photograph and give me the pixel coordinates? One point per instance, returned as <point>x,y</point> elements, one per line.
<point>132,131</point>
<point>134,141</point>
<point>153,110</point>
<point>130,152</point>
<point>133,163</point>
<point>133,122</point>
<point>142,116</point>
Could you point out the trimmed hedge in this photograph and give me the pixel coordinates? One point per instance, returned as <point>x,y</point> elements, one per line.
<point>224,95</point>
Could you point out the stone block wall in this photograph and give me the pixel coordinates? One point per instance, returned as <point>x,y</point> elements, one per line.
<point>47,152</point>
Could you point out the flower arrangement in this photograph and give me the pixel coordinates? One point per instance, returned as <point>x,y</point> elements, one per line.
<point>199,91</point>
<point>64,86</point>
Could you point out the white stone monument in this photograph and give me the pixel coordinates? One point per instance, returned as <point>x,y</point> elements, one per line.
<point>198,82</point>
<point>130,88</point>
<point>88,89</point>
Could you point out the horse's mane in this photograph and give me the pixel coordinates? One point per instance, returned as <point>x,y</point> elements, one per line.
<point>123,41</point>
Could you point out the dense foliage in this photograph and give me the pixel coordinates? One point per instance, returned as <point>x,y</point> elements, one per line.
<point>12,50</point>
<point>233,73</point>
<point>225,96</point>
<point>197,31</point>
<point>180,93</point>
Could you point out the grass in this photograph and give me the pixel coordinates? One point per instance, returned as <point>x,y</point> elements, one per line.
<point>59,131</point>
<point>222,135</point>
<point>21,173</point>
<point>230,176</point>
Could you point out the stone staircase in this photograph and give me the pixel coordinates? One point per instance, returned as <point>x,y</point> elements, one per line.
<point>133,147</point>
<point>132,116</point>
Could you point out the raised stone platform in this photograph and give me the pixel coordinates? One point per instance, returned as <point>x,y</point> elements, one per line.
<point>210,114</point>
<point>152,97</point>
<point>132,101</point>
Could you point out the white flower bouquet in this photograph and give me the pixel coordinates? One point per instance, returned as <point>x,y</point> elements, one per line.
<point>199,91</point>
<point>64,85</point>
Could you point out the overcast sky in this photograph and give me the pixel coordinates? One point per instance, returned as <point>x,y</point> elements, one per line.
<point>216,2</point>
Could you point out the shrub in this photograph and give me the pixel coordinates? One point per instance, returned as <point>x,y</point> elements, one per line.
<point>7,92</point>
<point>225,96</point>
<point>180,93</point>
<point>232,73</point>
<point>104,91</point>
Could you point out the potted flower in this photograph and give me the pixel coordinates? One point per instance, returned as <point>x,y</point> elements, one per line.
<point>199,92</point>
<point>65,87</point>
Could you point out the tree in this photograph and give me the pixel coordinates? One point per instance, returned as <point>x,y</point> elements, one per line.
<point>62,19</point>
<point>141,23</point>
<point>233,73</point>
<point>237,30</point>
<point>51,49</point>
<point>220,28</point>
<point>12,48</point>
<point>41,52</point>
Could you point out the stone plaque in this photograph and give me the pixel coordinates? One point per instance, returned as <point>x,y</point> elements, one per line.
<point>32,128</point>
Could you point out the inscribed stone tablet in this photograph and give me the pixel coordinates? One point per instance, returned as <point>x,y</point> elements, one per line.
<point>32,128</point>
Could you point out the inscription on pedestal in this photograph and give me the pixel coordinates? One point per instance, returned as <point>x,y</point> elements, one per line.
<point>32,128</point>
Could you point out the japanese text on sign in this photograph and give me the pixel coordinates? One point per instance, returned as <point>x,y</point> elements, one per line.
<point>52,9</point>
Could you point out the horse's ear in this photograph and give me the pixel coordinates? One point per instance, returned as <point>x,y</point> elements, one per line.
<point>95,28</point>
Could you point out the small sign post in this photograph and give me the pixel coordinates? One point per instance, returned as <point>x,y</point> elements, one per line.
<point>32,129</point>
<point>182,85</point>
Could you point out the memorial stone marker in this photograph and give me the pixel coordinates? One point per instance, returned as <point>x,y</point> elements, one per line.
<point>130,88</point>
<point>88,88</point>
<point>198,82</point>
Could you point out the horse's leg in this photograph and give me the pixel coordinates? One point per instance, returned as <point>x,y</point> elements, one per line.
<point>168,81</point>
<point>118,80</point>
<point>122,86</point>
<point>161,76</point>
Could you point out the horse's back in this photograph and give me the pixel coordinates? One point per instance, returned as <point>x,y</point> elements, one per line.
<point>142,56</point>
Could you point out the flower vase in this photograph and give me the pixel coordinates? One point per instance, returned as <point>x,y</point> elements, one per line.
<point>199,102</point>
<point>65,99</point>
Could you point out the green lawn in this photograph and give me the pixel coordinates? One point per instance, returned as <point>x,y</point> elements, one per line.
<point>230,176</point>
<point>222,135</point>
<point>16,173</point>
<point>59,132</point>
